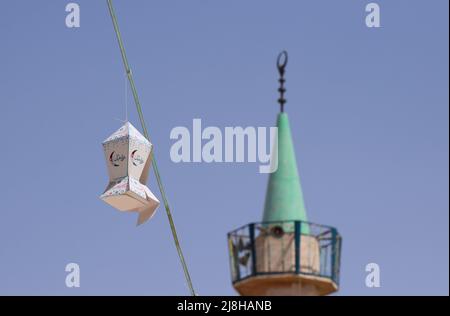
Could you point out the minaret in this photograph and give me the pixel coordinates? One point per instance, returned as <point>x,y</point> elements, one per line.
<point>284,254</point>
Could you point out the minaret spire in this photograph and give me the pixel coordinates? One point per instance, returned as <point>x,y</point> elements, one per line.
<point>281,65</point>
<point>284,197</point>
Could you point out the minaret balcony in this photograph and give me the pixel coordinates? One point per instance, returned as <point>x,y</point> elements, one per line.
<point>285,258</point>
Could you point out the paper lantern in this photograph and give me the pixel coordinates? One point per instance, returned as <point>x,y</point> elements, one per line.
<point>127,154</point>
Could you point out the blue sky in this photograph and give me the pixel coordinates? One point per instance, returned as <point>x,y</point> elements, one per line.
<point>368,110</point>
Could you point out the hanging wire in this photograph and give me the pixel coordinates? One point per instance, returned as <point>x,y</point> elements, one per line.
<point>144,128</point>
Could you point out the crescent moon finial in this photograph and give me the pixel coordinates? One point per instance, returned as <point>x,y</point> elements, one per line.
<point>282,61</point>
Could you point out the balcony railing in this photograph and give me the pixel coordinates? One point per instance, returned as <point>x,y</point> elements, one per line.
<point>287,247</point>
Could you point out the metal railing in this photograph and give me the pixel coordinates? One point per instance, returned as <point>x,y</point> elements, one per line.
<point>296,247</point>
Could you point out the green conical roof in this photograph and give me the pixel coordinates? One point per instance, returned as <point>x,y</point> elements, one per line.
<point>284,197</point>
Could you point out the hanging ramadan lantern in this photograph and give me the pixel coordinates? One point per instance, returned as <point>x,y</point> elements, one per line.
<point>127,154</point>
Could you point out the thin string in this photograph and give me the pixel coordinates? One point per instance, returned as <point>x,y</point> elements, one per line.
<point>125,101</point>
<point>126,97</point>
<point>155,167</point>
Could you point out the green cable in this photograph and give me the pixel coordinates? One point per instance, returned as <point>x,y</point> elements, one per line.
<point>155,167</point>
